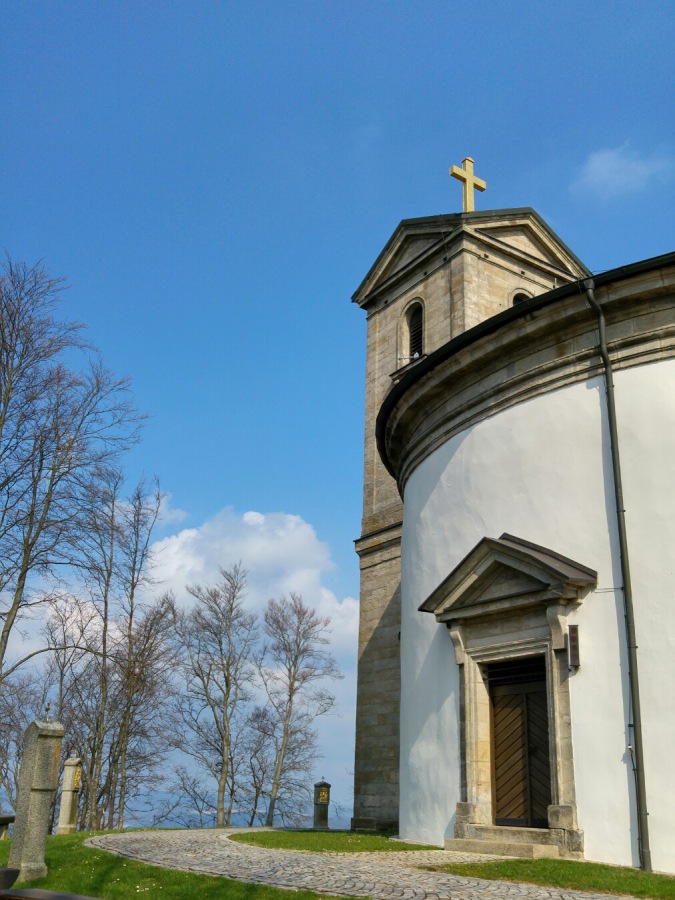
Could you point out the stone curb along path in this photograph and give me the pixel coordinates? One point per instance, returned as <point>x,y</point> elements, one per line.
<point>381,876</point>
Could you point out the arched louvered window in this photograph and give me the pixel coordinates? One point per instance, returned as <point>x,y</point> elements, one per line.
<point>416,331</point>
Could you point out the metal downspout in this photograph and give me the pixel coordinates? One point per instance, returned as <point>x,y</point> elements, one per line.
<point>636,750</point>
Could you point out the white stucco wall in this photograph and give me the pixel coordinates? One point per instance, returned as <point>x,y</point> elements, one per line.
<point>646,412</point>
<point>541,471</point>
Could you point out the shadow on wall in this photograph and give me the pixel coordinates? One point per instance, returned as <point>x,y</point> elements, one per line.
<point>432,705</point>
<point>376,779</point>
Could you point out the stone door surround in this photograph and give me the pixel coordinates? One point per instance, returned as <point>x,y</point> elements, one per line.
<point>509,599</point>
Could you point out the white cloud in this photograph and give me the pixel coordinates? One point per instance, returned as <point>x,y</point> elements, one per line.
<point>621,170</point>
<point>169,515</point>
<point>281,553</point>
<point>253,518</point>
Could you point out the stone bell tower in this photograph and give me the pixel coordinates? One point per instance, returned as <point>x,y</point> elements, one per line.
<point>436,278</point>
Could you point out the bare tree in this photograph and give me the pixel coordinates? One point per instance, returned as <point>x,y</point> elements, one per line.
<point>129,645</point>
<point>191,787</point>
<point>292,666</point>
<point>108,649</point>
<point>66,631</point>
<point>22,699</point>
<point>99,569</point>
<point>57,426</point>
<point>124,750</point>
<point>143,653</point>
<point>261,727</point>
<point>217,638</point>
<point>110,670</point>
<point>144,662</point>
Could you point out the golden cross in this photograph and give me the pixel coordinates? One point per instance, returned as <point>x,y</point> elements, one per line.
<point>469,182</point>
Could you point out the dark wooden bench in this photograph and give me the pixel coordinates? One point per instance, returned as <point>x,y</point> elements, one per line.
<point>5,822</point>
<point>8,877</point>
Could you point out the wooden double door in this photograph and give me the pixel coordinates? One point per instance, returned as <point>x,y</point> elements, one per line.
<point>520,743</point>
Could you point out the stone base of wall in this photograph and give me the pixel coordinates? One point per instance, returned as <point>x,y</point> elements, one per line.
<point>366,823</point>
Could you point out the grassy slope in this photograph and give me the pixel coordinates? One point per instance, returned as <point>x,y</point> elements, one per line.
<point>554,873</point>
<point>564,873</point>
<point>85,870</point>
<point>93,872</point>
<point>324,841</point>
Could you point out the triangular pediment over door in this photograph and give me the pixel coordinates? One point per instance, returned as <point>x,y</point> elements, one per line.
<point>506,574</point>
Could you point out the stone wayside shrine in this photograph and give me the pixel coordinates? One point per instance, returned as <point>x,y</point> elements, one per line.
<point>70,796</point>
<point>321,804</point>
<point>38,781</point>
<point>517,635</point>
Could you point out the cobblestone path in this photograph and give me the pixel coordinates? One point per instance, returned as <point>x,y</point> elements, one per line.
<point>381,876</point>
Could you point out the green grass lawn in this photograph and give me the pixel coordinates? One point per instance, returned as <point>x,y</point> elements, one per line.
<point>565,873</point>
<point>89,871</point>
<point>323,841</point>
<point>93,872</point>
<point>546,872</point>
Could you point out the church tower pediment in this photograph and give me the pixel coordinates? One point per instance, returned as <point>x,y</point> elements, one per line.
<point>529,238</point>
<point>405,252</point>
<point>408,252</point>
<point>514,238</point>
<point>502,575</point>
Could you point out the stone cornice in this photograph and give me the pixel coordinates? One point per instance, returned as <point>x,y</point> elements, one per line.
<point>536,347</point>
<point>382,539</point>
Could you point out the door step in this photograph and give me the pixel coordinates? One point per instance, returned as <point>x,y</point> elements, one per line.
<point>503,848</point>
<point>530,843</point>
<point>513,834</point>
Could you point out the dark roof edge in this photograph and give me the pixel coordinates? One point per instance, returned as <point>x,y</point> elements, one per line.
<point>457,218</point>
<point>511,540</point>
<point>495,323</point>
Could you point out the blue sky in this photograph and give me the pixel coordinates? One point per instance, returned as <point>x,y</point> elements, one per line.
<point>215,179</point>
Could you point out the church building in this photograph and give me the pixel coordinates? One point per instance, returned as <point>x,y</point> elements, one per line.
<point>517,626</point>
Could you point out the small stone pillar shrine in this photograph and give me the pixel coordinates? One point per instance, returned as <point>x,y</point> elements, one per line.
<point>38,781</point>
<point>70,795</point>
<point>321,801</point>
